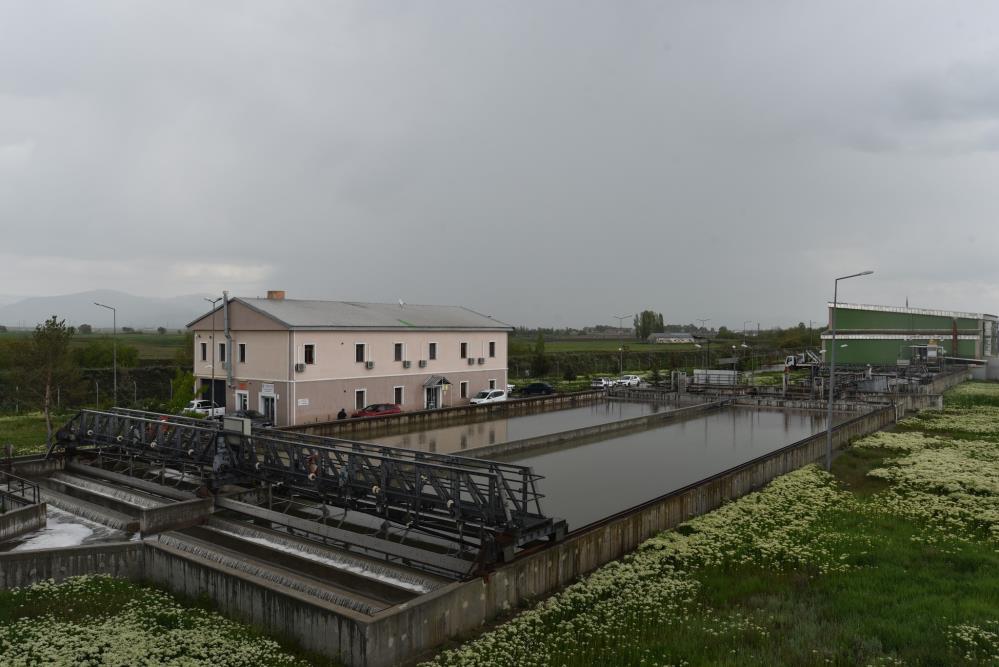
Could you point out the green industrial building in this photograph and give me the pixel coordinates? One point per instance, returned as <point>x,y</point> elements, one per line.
<point>890,335</point>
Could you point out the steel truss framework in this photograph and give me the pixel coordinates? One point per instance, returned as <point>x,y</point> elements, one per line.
<point>486,509</point>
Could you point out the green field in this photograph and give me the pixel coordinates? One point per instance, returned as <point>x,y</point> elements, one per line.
<point>893,559</point>
<point>149,345</point>
<point>27,431</point>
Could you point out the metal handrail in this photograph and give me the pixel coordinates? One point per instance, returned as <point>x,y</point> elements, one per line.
<point>19,490</point>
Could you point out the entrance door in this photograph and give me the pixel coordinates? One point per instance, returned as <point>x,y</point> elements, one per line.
<point>433,398</point>
<point>268,406</point>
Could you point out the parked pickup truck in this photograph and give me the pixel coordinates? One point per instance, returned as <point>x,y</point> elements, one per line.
<point>205,408</point>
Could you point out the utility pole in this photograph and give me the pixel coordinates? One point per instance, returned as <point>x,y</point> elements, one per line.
<point>114,347</point>
<point>832,365</point>
<point>213,302</point>
<point>620,326</point>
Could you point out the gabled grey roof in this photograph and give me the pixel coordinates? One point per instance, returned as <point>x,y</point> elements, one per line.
<point>309,314</point>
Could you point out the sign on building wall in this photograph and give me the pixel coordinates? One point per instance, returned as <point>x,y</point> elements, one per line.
<point>267,388</point>
<point>302,402</point>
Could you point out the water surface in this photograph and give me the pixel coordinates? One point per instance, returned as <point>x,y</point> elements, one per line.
<point>588,482</point>
<point>455,439</point>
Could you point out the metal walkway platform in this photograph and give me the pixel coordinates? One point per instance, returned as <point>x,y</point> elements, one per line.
<point>471,508</point>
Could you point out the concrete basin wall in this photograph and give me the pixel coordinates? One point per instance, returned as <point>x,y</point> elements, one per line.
<point>352,429</point>
<point>24,568</point>
<point>20,521</point>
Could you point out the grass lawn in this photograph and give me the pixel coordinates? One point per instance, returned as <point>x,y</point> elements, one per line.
<point>893,559</point>
<point>27,431</point>
<point>98,620</point>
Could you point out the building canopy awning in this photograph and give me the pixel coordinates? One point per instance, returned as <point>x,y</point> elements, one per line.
<point>436,381</point>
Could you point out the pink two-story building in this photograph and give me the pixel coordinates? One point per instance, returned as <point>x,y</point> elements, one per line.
<point>301,361</point>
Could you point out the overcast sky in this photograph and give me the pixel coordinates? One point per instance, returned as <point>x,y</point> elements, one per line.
<point>548,162</point>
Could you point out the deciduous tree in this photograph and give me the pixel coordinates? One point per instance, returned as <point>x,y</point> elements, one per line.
<point>44,364</point>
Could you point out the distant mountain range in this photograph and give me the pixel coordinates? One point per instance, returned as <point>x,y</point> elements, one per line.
<point>139,312</point>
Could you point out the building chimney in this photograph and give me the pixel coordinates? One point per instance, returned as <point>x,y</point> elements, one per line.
<point>275,294</point>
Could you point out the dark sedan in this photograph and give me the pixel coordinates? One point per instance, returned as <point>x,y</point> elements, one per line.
<point>377,410</point>
<point>537,389</point>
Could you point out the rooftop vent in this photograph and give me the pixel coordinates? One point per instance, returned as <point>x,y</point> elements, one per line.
<point>275,294</point>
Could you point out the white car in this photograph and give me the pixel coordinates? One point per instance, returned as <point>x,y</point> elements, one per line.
<point>602,383</point>
<point>488,396</point>
<point>205,408</point>
<point>509,389</point>
<point>629,381</point>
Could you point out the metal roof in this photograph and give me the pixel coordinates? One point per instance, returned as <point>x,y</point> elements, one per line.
<point>436,381</point>
<point>911,311</point>
<point>315,314</point>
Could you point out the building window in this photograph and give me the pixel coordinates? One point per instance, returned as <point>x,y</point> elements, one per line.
<point>242,353</point>
<point>222,352</point>
<point>464,351</point>
<point>492,384</point>
<point>397,395</point>
<point>242,400</point>
<point>360,398</point>
<point>492,348</point>
<point>463,389</point>
<point>359,353</point>
<point>432,351</point>
<point>398,351</point>
<point>310,354</point>
<point>204,351</point>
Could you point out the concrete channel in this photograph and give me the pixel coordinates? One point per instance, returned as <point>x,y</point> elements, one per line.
<point>307,581</point>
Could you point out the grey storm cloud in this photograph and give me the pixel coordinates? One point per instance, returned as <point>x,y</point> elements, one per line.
<point>547,163</point>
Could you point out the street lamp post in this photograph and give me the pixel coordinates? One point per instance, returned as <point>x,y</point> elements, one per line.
<point>213,302</point>
<point>114,347</point>
<point>620,326</point>
<point>832,365</point>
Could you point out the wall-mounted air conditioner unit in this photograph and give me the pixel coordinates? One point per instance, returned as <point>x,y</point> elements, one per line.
<point>471,361</point>
<point>369,364</point>
<point>482,360</point>
<point>299,368</point>
<point>407,364</point>
<point>423,363</point>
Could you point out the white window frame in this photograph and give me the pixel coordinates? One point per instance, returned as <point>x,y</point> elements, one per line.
<point>402,394</point>
<point>243,404</point>
<point>222,352</point>
<point>463,389</point>
<point>315,354</point>
<point>492,349</point>
<point>402,354</point>
<point>204,350</point>
<point>492,384</point>
<point>241,352</point>
<point>366,354</point>
<point>436,346</point>
<point>463,349</point>
<point>363,392</point>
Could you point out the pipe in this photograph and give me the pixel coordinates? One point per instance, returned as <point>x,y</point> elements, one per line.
<point>228,339</point>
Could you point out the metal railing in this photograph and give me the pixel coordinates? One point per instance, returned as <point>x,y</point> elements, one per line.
<point>17,491</point>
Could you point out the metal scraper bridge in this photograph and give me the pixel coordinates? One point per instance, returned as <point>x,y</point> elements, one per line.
<point>482,510</point>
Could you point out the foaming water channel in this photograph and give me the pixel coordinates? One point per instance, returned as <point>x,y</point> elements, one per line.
<point>65,529</point>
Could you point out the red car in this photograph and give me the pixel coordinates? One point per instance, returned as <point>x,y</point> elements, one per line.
<point>377,410</point>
